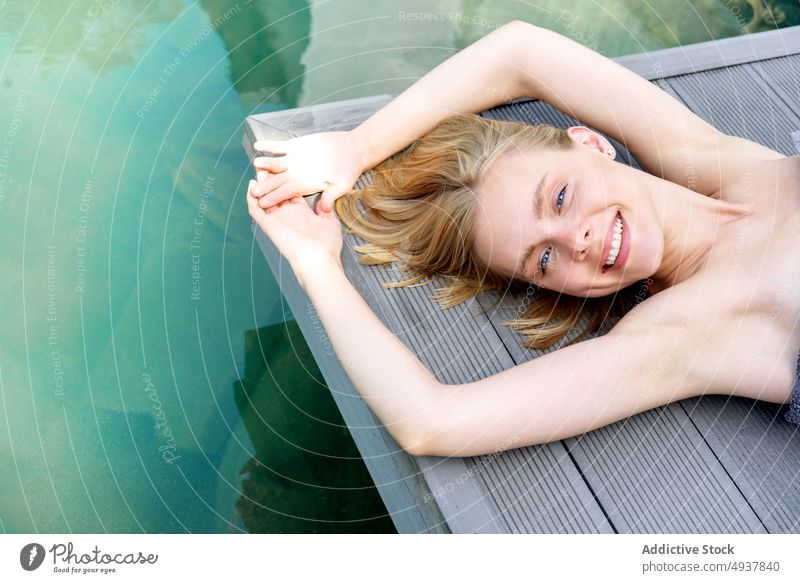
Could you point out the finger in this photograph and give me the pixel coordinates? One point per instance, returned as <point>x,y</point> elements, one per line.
<point>256,213</point>
<point>273,164</point>
<point>272,146</point>
<point>329,196</point>
<point>252,202</point>
<point>280,194</point>
<point>272,182</point>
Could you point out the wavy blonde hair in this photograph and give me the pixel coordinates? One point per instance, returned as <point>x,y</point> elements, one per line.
<point>420,211</point>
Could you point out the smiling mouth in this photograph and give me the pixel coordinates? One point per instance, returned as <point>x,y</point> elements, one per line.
<point>616,243</point>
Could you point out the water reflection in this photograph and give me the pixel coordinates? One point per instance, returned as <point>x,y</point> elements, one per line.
<point>104,34</point>
<point>265,45</point>
<point>306,475</point>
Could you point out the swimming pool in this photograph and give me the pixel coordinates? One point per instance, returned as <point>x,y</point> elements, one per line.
<point>150,380</point>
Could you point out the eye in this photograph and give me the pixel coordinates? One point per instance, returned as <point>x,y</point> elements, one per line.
<point>545,259</point>
<point>560,198</point>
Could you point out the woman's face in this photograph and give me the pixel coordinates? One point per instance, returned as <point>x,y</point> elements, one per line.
<point>549,217</point>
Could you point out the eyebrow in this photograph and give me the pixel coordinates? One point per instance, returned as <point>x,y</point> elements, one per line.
<point>538,203</point>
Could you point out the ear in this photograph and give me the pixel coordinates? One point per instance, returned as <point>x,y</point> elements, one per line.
<point>583,136</point>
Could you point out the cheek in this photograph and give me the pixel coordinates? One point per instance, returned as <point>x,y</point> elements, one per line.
<point>579,282</point>
<point>647,243</point>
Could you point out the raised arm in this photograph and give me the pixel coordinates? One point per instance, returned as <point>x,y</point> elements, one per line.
<point>664,135</point>
<point>516,60</point>
<point>390,379</point>
<point>482,75</point>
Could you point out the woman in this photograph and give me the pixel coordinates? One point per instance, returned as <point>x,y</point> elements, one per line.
<point>714,225</point>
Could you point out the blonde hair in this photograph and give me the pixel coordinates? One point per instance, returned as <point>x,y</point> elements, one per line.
<point>420,211</point>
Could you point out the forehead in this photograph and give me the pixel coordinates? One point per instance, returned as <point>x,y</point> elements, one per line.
<point>512,177</point>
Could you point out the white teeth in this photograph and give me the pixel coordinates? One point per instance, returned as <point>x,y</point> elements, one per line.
<point>616,243</point>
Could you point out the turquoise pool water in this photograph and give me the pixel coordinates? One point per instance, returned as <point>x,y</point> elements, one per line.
<point>151,377</point>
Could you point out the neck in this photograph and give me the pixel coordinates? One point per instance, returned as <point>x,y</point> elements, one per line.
<point>691,223</point>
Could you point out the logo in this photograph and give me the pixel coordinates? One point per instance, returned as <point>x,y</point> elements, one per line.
<point>31,556</point>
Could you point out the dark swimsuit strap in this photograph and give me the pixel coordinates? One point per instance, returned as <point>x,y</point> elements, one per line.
<point>792,415</point>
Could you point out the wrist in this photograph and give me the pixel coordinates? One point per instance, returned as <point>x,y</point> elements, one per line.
<point>362,148</point>
<point>315,271</point>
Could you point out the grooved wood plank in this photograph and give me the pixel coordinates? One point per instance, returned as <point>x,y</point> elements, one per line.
<point>710,55</point>
<point>754,444</point>
<point>739,102</point>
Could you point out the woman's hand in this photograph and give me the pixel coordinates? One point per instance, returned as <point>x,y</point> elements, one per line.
<point>308,241</point>
<point>328,162</point>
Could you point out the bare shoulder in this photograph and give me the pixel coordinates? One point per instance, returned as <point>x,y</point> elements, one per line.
<point>746,170</point>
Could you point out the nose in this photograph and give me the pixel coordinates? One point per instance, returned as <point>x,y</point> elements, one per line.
<point>576,241</point>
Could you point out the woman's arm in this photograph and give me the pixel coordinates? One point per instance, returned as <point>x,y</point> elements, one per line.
<point>391,380</point>
<point>663,134</point>
<point>516,60</point>
<point>389,377</point>
<point>558,395</point>
<point>482,75</point>
<point>488,72</point>
<point>524,60</point>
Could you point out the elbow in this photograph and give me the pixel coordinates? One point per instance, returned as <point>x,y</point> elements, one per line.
<point>416,438</point>
<point>514,35</point>
<point>419,444</point>
<point>517,26</point>
<point>518,40</point>
<point>436,444</point>
<point>422,435</point>
<point>518,33</point>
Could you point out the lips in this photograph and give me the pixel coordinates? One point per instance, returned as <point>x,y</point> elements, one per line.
<point>624,249</point>
<point>607,243</point>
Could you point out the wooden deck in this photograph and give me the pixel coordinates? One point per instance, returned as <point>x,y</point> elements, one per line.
<point>703,465</point>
